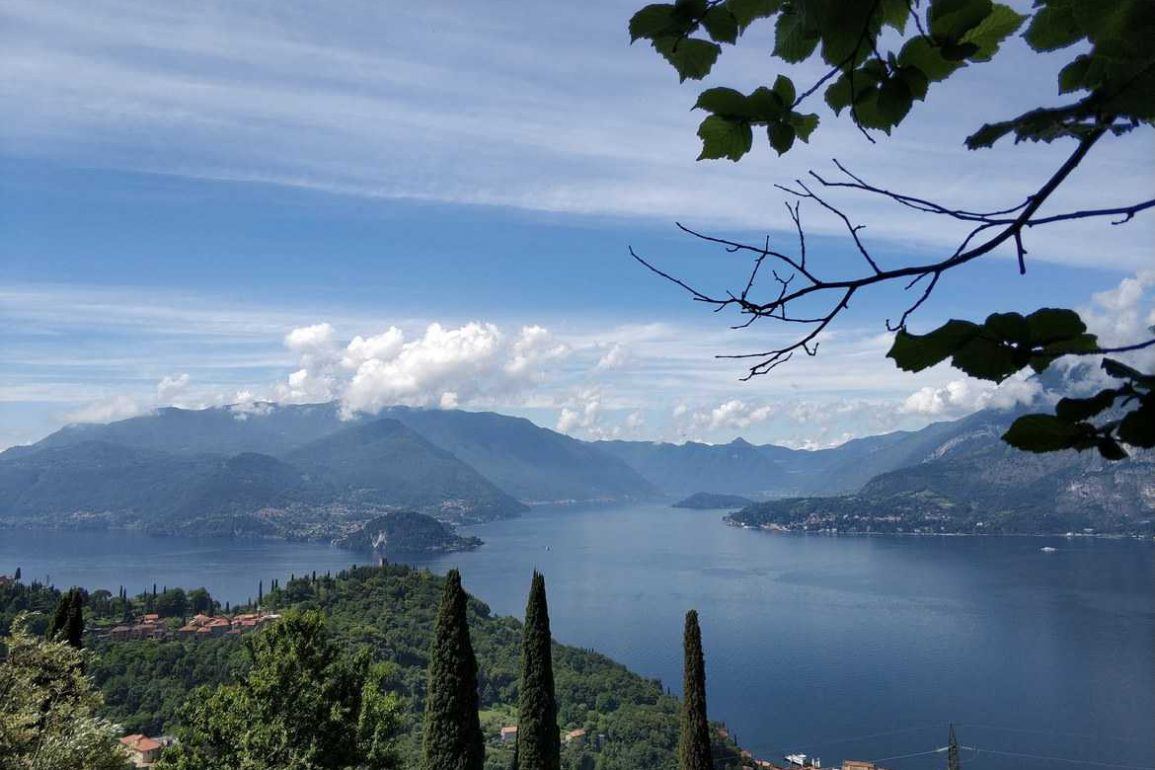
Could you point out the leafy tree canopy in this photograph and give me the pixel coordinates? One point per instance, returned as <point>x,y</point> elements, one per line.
<point>880,57</point>
<point>301,706</point>
<point>48,708</point>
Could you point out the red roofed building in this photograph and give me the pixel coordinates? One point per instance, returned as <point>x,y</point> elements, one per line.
<point>142,750</point>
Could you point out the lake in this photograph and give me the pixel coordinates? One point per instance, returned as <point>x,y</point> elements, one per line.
<point>839,647</point>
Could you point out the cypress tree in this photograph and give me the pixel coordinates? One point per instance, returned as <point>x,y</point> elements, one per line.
<point>59,622</point>
<point>74,625</point>
<point>538,738</point>
<point>17,575</point>
<point>694,741</point>
<point>453,739</point>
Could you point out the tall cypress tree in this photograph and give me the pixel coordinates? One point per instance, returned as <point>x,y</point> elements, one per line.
<point>453,739</point>
<point>59,622</point>
<point>74,624</point>
<point>538,739</point>
<point>694,741</point>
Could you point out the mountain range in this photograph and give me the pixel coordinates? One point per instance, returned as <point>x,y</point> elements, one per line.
<point>305,471</point>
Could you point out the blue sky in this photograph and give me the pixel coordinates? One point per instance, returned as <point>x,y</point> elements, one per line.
<point>182,187</point>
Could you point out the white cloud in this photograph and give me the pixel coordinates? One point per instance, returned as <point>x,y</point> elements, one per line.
<point>119,407</point>
<point>733,414</point>
<point>1125,315</point>
<point>613,358</point>
<point>442,366</point>
<point>539,106</point>
<point>963,396</point>
<point>169,389</point>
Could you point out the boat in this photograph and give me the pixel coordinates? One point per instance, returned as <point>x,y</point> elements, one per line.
<point>1048,549</point>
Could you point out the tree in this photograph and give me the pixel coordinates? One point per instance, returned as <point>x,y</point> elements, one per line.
<point>17,574</point>
<point>301,706</point>
<point>67,622</point>
<point>48,709</point>
<point>694,740</point>
<point>452,739</point>
<point>879,57</point>
<point>200,602</point>
<point>74,626</point>
<point>538,737</point>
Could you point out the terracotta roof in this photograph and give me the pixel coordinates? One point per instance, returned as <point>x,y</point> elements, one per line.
<point>141,743</point>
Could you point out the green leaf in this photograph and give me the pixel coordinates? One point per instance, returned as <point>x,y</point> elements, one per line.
<point>999,24</point>
<point>1137,428</point>
<point>950,20</point>
<point>913,352</point>
<point>1073,77</point>
<point>894,13</point>
<point>916,82</point>
<point>1053,26</point>
<point>1051,324</point>
<point>784,88</point>
<point>747,11</point>
<point>838,94</point>
<point>722,101</point>
<point>1079,409</point>
<point>721,25</point>
<point>919,52</point>
<point>804,125</point>
<point>989,134</point>
<point>1110,450</point>
<point>693,58</point>
<point>1012,327</point>
<point>894,100</point>
<point>781,136</point>
<point>653,21</point>
<point>1046,433</point>
<point>987,359</point>
<point>724,138</point>
<point>764,106</point>
<point>793,41</point>
<point>1120,371</point>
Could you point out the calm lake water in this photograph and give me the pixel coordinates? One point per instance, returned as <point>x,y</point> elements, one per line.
<point>840,647</point>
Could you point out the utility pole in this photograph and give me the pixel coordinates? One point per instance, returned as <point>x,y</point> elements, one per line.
<point>952,760</point>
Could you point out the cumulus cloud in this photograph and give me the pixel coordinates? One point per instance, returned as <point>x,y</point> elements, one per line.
<point>1125,315</point>
<point>732,414</point>
<point>962,396</point>
<point>443,366</point>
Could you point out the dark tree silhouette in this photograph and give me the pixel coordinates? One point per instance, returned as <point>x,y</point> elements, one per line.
<point>452,738</point>
<point>538,737</point>
<point>694,739</point>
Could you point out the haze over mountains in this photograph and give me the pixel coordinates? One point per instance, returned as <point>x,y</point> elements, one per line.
<point>302,471</point>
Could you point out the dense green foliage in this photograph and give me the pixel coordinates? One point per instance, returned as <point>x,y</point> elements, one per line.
<point>49,710</point>
<point>452,738</point>
<point>390,613</point>
<point>694,737</point>
<point>538,739</point>
<point>301,705</point>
